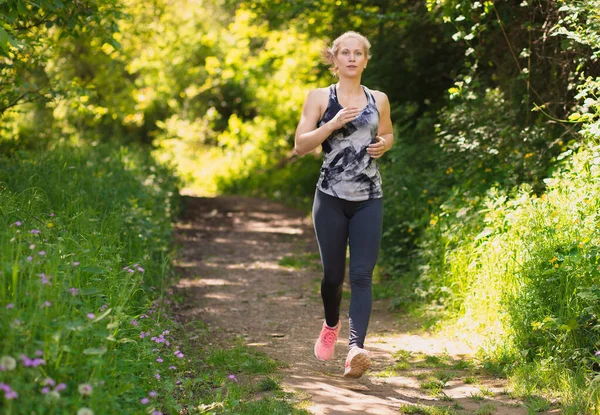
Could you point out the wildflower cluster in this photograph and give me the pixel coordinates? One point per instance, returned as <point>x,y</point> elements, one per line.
<point>65,289</point>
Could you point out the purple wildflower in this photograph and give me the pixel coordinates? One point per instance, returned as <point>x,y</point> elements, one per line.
<point>232,377</point>
<point>144,401</point>
<point>157,376</point>
<point>597,353</point>
<point>32,246</point>
<point>134,322</point>
<point>152,394</point>
<point>44,278</point>
<point>49,381</point>
<point>9,306</point>
<point>29,258</point>
<point>74,291</point>
<point>52,215</point>
<point>42,253</point>
<point>39,353</point>
<point>17,223</point>
<point>35,231</point>
<point>103,307</point>
<point>140,269</point>
<point>91,315</point>
<point>159,360</point>
<point>59,387</point>
<point>27,362</point>
<point>156,413</point>
<point>45,390</point>
<point>75,263</point>
<point>46,304</point>
<point>172,367</point>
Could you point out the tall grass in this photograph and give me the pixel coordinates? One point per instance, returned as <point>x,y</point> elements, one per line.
<point>524,271</point>
<point>85,253</point>
<point>85,267</point>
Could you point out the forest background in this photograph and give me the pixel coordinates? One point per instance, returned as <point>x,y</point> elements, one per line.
<point>491,190</point>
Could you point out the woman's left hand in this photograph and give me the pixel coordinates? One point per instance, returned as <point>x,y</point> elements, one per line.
<point>377,149</point>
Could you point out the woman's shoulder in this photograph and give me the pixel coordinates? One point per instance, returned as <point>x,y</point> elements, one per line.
<point>378,95</point>
<point>318,96</point>
<point>319,92</point>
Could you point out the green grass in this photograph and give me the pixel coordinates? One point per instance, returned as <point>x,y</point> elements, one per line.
<point>241,359</point>
<point>85,236</point>
<point>477,397</point>
<point>535,404</point>
<point>85,270</point>
<point>486,409</point>
<point>311,261</point>
<point>425,410</point>
<point>269,384</point>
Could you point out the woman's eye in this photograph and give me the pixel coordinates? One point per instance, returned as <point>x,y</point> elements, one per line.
<point>358,53</point>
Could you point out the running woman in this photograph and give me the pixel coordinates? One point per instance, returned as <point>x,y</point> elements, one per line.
<point>352,124</point>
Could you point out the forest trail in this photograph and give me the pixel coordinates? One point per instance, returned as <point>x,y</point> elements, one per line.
<point>232,279</point>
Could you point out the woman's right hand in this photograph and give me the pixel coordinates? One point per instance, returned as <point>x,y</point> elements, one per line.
<point>344,116</point>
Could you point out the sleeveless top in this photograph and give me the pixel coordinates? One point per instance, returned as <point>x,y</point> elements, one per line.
<point>348,172</point>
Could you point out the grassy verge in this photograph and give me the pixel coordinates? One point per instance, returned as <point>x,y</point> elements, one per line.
<point>85,243</point>
<point>85,268</point>
<point>229,378</point>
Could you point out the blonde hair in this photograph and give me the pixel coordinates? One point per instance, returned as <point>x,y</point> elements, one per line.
<point>330,52</point>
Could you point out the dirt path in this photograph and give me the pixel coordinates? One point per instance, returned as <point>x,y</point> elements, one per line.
<point>233,281</point>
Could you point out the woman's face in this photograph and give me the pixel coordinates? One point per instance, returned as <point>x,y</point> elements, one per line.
<point>351,58</point>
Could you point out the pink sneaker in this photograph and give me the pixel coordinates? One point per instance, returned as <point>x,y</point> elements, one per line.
<point>357,363</point>
<point>325,344</point>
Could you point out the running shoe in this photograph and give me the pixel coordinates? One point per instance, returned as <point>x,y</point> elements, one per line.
<point>325,344</point>
<point>357,363</point>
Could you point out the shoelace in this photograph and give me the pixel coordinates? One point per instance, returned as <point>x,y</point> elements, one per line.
<point>329,337</point>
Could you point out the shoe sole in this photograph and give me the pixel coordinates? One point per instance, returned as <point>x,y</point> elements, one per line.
<point>358,366</point>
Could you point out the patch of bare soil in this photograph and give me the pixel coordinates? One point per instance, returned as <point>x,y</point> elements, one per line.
<point>231,277</point>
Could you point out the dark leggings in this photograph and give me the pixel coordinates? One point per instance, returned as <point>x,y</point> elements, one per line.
<point>336,222</point>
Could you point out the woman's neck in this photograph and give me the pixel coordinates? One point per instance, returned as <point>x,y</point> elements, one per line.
<point>349,87</point>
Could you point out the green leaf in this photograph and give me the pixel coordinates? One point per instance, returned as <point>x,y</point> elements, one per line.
<point>114,43</point>
<point>101,316</point>
<point>93,270</point>
<point>90,291</point>
<point>95,351</point>
<point>4,38</point>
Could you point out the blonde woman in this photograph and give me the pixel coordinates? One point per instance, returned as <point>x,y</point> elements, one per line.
<point>352,124</point>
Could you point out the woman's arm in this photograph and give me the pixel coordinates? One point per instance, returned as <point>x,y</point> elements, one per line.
<point>385,134</point>
<point>308,136</point>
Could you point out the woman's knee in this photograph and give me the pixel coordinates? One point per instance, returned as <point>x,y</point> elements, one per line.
<point>361,277</point>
